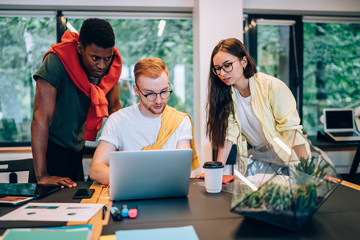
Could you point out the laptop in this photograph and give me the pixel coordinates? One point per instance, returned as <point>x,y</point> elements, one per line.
<point>149,174</point>
<point>339,124</point>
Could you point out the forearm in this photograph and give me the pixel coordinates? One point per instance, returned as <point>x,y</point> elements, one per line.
<point>39,141</point>
<point>99,169</point>
<point>301,152</point>
<point>224,151</point>
<point>100,172</point>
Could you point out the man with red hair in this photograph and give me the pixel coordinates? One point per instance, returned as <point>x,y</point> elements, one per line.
<point>148,125</point>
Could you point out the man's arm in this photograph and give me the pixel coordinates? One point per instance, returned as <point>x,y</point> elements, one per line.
<point>44,107</point>
<point>113,99</point>
<point>99,169</point>
<point>185,128</point>
<point>185,144</point>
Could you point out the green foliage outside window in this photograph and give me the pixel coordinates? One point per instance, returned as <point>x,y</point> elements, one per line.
<point>137,39</point>
<point>331,66</point>
<point>24,41</point>
<point>272,51</point>
<point>331,69</point>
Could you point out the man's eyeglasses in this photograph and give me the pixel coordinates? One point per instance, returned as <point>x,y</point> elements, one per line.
<point>152,96</point>
<point>227,67</point>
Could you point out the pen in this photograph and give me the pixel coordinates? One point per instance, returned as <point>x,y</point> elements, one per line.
<point>104,212</point>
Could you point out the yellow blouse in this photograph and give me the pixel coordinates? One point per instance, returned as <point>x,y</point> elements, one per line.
<point>275,107</point>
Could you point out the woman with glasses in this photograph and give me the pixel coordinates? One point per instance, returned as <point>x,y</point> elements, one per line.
<point>253,110</point>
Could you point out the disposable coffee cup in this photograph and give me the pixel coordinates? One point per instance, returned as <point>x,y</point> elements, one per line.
<point>213,176</point>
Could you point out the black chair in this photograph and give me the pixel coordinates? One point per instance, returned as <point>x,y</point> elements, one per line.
<point>14,166</point>
<point>231,158</point>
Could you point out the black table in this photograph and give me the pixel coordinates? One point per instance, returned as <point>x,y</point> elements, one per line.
<point>62,195</point>
<point>325,143</point>
<point>338,217</point>
<point>210,215</point>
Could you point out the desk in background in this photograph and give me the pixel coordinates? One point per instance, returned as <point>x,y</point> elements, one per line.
<point>324,143</point>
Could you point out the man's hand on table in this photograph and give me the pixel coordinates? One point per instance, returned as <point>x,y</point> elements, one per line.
<point>55,180</point>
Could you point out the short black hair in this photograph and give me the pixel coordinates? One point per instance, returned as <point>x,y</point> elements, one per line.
<point>97,31</point>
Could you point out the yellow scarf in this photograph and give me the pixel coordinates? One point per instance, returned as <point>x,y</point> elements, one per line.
<point>171,118</point>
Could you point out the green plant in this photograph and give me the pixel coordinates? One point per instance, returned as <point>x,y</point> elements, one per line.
<point>302,192</point>
<point>312,169</point>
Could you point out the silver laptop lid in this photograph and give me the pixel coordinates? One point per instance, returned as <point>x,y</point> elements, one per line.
<point>149,174</point>
<point>339,120</point>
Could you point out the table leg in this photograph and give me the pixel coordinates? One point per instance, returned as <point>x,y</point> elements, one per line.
<point>355,164</point>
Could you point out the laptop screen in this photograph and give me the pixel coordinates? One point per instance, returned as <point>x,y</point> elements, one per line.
<point>339,120</point>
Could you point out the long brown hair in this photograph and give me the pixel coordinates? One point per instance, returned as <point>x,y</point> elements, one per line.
<point>220,105</point>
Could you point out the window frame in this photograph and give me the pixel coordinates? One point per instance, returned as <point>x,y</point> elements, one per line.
<point>296,50</point>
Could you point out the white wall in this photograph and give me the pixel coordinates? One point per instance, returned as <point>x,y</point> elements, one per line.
<point>212,23</point>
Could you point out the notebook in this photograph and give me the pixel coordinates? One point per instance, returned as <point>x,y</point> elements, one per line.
<point>149,174</point>
<point>339,124</point>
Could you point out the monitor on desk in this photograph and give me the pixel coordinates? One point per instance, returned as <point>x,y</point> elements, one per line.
<point>149,174</point>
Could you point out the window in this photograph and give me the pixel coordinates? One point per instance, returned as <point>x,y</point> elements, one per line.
<point>318,58</point>
<point>141,38</point>
<point>273,48</point>
<point>275,45</point>
<point>23,41</point>
<point>331,68</point>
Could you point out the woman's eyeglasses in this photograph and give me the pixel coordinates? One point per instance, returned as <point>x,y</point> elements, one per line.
<point>227,67</point>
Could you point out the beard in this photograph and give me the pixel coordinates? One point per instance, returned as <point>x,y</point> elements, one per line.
<point>155,110</point>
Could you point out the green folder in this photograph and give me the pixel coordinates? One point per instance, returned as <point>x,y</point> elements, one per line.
<point>61,233</point>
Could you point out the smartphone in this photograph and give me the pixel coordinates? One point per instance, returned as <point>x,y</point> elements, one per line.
<point>83,193</point>
<point>227,178</point>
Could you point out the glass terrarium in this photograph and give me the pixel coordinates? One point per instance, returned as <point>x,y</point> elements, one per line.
<point>283,183</point>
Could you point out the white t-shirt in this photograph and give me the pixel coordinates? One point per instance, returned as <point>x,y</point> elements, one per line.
<point>250,124</point>
<point>127,129</point>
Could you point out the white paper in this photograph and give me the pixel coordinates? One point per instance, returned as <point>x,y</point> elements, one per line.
<point>174,233</point>
<point>53,212</point>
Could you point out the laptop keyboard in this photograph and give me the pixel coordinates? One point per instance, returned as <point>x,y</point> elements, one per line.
<point>345,134</point>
